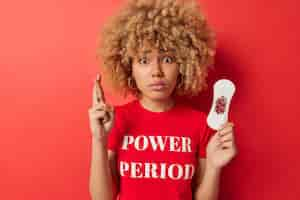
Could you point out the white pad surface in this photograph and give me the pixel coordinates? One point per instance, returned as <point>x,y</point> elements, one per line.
<point>223,92</point>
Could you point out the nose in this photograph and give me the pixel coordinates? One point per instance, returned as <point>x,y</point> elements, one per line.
<point>157,70</point>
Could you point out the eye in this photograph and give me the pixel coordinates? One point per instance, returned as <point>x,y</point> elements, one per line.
<point>168,59</point>
<point>143,60</point>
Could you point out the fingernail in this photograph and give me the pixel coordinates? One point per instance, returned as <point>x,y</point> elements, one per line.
<point>98,77</point>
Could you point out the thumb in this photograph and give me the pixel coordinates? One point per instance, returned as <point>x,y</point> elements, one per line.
<point>215,139</point>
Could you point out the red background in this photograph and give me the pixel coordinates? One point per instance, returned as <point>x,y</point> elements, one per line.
<point>47,59</point>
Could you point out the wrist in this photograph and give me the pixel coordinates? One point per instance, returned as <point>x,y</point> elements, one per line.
<point>100,139</point>
<point>212,169</point>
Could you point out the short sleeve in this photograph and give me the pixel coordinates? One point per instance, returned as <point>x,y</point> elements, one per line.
<point>205,134</point>
<point>117,131</point>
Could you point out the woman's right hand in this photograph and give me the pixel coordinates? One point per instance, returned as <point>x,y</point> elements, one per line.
<point>101,115</point>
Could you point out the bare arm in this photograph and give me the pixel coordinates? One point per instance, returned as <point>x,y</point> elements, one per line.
<point>103,184</point>
<point>220,150</point>
<point>207,182</point>
<point>103,180</point>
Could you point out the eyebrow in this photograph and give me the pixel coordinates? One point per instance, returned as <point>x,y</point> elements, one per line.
<point>146,51</point>
<point>167,51</point>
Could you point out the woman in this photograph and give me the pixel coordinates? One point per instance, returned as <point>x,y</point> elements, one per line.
<point>155,147</point>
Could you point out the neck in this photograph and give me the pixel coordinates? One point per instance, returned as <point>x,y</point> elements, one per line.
<point>160,105</point>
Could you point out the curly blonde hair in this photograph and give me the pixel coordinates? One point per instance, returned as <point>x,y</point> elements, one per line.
<point>166,24</point>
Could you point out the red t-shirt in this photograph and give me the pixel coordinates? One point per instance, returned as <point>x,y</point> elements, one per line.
<point>158,152</point>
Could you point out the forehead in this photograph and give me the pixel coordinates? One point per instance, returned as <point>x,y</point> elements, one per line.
<point>150,50</point>
<point>147,48</point>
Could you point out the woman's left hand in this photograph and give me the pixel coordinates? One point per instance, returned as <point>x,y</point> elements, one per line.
<point>221,148</point>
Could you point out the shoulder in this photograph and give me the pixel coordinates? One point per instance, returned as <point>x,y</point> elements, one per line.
<point>191,112</point>
<point>125,106</point>
<point>124,109</point>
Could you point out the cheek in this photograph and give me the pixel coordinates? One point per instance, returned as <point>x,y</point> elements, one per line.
<point>140,76</point>
<point>173,73</point>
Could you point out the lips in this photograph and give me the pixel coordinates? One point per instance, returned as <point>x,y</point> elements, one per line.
<point>161,83</point>
<point>158,86</point>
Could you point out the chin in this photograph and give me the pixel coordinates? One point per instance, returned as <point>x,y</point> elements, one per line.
<point>159,95</point>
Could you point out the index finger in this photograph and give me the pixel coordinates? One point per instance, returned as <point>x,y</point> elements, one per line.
<point>223,126</point>
<point>99,89</point>
<point>95,95</point>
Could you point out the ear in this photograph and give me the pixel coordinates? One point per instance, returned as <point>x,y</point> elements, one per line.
<point>179,80</point>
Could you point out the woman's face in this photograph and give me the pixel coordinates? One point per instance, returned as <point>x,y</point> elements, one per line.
<point>155,73</point>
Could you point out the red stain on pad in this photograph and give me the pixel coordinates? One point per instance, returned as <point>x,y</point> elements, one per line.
<point>220,105</point>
